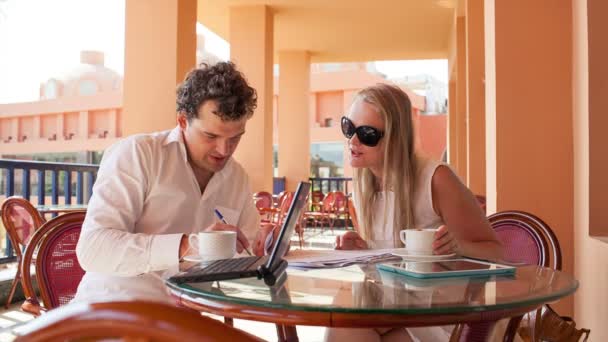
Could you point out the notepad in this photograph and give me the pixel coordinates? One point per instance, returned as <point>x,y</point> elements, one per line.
<point>336,258</point>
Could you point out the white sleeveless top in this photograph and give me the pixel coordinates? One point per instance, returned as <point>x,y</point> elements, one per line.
<point>424,214</point>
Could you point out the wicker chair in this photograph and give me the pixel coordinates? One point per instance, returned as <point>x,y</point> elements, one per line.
<point>20,220</point>
<point>132,321</point>
<point>58,272</point>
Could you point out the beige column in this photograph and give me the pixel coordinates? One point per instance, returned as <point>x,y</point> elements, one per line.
<point>294,122</point>
<point>83,124</point>
<point>14,129</point>
<point>60,126</point>
<point>112,120</point>
<point>590,164</point>
<point>461,94</point>
<point>160,48</point>
<point>529,112</point>
<point>37,128</point>
<point>251,48</point>
<point>476,151</point>
<point>452,124</point>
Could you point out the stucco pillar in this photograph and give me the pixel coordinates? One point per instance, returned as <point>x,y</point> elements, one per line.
<point>452,145</point>
<point>60,127</point>
<point>251,48</point>
<point>529,114</point>
<point>461,94</point>
<point>83,124</point>
<point>160,48</point>
<point>37,128</point>
<point>590,165</point>
<point>294,123</point>
<point>476,144</point>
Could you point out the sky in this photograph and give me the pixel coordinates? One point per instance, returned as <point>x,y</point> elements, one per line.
<point>41,38</point>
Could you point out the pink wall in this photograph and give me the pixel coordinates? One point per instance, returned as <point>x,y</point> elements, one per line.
<point>330,105</point>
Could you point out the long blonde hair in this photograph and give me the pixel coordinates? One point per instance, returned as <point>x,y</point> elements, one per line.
<point>399,164</point>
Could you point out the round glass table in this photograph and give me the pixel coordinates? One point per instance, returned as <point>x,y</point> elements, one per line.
<point>363,296</point>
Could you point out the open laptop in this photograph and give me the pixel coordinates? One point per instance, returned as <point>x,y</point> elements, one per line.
<point>266,267</point>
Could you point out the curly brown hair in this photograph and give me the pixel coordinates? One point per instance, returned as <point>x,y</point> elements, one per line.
<point>221,82</point>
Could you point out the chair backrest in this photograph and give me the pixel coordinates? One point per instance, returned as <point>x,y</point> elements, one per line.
<point>526,238</point>
<point>58,272</point>
<point>339,201</point>
<point>328,202</point>
<point>263,199</point>
<point>317,196</point>
<point>134,320</point>
<point>284,203</point>
<point>21,219</point>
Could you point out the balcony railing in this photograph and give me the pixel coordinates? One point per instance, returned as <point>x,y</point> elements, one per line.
<point>329,184</point>
<point>54,180</point>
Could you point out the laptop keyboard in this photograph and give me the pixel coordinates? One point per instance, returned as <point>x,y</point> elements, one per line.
<point>230,265</point>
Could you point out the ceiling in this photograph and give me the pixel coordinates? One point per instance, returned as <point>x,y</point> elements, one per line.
<point>349,30</point>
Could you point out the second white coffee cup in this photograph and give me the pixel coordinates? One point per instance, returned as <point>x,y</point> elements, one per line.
<point>418,240</point>
<point>214,245</point>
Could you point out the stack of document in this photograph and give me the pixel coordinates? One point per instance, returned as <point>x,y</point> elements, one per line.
<point>335,258</point>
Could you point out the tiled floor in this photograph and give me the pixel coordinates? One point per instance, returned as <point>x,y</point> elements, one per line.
<point>314,239</point>
<point>10,319</point>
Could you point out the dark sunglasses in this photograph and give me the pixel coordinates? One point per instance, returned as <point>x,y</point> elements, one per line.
<point>367,135</point>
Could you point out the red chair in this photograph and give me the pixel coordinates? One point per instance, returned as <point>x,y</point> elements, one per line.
<point>340,207</point>
<point>526,239</point>
<point>264,204</point>
<point>128,321</point>
<point>326,215</point>
<point>263,200</point>
<point>20,220</point>
<point>316,198</point>
<point>58,272</point>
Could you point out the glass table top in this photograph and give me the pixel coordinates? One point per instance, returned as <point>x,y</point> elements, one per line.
<point>365,289</point>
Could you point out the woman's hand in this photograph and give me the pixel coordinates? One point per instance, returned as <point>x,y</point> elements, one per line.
<point>350,240</point>
<point>445,243</point>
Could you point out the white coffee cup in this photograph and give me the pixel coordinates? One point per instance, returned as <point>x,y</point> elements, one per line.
<point>418,241</point>
<point>213,245</point>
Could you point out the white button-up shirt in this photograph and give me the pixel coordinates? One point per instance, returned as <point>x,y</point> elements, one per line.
<point>144,199</point>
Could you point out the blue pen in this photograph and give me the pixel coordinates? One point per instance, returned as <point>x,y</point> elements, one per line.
<point>221,218</point>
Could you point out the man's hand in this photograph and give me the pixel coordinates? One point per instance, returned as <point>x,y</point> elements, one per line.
<point>184,248</point>
<point>350,240</point>
<point>241,239</point>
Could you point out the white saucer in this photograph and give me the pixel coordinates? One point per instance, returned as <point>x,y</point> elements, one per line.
<point>417,256</point>
<point>192,258</point>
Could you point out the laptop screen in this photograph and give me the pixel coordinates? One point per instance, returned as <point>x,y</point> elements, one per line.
<point>289,225</point>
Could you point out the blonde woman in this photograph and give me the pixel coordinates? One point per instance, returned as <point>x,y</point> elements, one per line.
<point>396,188</point>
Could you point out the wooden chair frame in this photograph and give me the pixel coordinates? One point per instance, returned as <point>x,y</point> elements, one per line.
<point>548,246</point>
<point>11,231</point>
<point>141,321</point>
<point>40,237</point>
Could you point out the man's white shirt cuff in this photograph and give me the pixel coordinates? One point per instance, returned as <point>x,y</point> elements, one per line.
<point>164,251</point>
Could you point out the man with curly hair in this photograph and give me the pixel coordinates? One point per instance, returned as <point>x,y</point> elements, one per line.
<point>152,190</point>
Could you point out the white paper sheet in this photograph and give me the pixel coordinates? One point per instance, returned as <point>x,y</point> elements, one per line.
<point>337,258</point>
